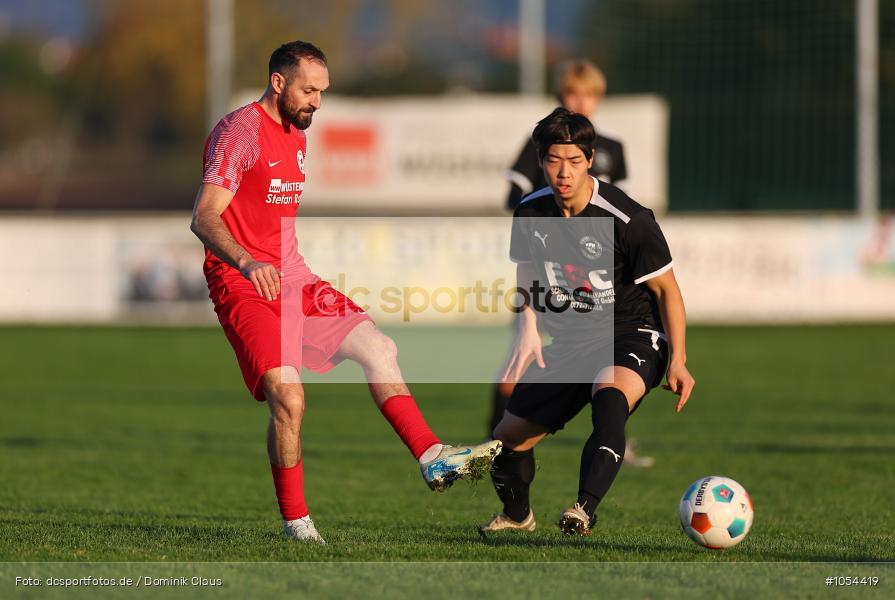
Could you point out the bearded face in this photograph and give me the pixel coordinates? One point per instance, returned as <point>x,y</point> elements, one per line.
<point>302,92</point>
<point>292,109</point>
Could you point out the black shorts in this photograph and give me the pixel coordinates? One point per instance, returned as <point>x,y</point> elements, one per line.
<point>546,400</point>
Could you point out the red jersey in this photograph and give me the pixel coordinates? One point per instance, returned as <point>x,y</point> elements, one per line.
<point>251,155</point>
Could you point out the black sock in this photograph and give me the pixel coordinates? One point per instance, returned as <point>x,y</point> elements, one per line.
<point>512,475</point>
<point>599,466</point>
<point>498,406</point>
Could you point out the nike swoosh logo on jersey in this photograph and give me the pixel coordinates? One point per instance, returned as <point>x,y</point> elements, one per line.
<point>273,164</point>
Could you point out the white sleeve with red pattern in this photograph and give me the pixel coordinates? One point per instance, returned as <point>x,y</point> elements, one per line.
<point>232,149</point>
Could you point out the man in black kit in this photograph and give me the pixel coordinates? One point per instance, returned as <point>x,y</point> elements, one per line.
<point>598,278</point>
<point>581,88</point>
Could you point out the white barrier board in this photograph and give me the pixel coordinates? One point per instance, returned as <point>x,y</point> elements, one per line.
<point>736,269</point>
<point>452,152</point>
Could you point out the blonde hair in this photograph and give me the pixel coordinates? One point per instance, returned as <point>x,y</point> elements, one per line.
<point>578,73</point>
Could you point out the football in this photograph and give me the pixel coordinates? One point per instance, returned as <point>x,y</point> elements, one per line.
<point>716,512</point>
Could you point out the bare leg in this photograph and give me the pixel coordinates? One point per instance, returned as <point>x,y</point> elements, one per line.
<point>500,397</point>
<point>377,355</point>
<point>286,401</point>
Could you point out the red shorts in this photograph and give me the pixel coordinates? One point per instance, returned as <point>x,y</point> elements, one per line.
<point>304,326</point>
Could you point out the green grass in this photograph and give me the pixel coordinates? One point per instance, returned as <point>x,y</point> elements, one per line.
<point>141,444</point>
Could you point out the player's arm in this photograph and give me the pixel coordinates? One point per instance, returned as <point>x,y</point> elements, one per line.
<point>527,347</point>
<point>207,224</point>
<point>515,195</point>
<point>522,175</point>
<point>671,308</point>
<point>621,169</point>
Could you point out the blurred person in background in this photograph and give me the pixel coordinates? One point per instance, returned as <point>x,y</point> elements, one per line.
<point>581,87</point>
<point>276,313</point>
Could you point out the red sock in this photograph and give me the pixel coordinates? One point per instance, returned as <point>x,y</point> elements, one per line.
<point>409,424</point>
<point>289,483</point>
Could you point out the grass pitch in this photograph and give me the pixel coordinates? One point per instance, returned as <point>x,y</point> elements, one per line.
<point>141,444</point>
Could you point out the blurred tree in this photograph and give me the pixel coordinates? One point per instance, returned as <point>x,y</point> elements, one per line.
<point>149,84</point>
<point>30,91</point>
<point>367,44</point>
<point>260,27</point>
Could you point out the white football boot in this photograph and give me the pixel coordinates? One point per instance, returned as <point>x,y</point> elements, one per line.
<point>458,462</point>
<point>574,521</point>
<point>502,521</point>
<point>302,530</point>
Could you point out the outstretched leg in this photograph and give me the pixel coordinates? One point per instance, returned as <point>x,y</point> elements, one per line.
<point>377,355</point>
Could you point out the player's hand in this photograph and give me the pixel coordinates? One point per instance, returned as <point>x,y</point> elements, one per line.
<point>680,382</point>
<point>526,350</point>
<point>265,277</point>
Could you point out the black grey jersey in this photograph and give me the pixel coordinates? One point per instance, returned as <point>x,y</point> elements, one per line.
<point>592,269</point>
